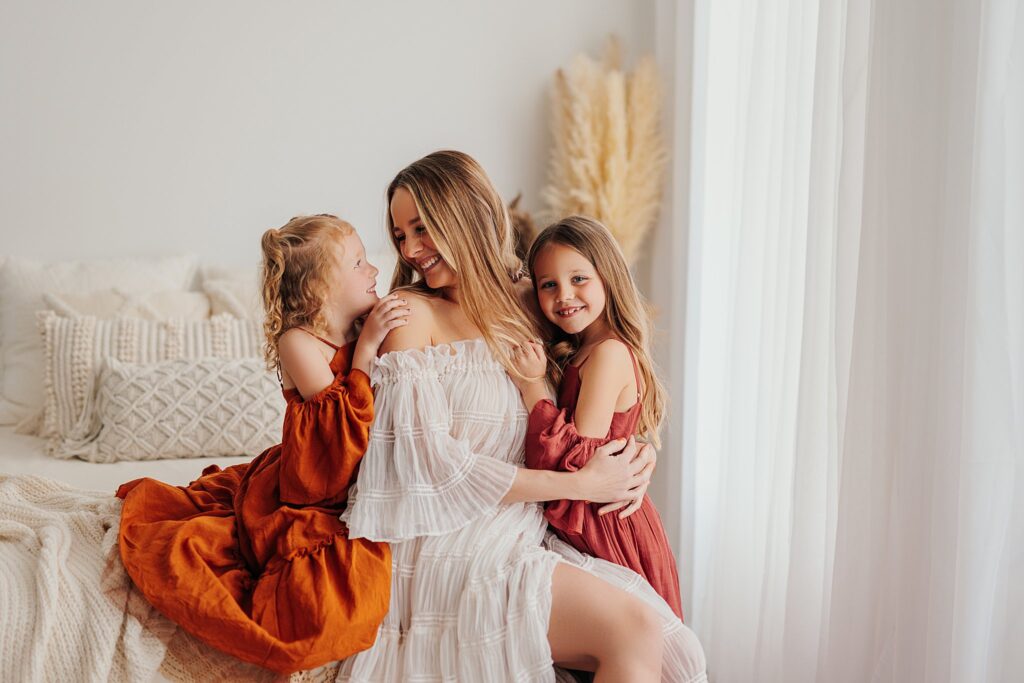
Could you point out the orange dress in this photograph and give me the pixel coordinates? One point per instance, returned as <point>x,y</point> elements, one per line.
<point>253,559</point>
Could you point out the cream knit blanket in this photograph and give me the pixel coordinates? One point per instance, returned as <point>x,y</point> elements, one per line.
<point>69,612</point>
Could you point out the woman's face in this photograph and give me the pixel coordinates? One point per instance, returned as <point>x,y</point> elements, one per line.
<point>415,244</point>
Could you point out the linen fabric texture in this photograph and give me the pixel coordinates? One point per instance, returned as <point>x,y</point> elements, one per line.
<point>471,578</point>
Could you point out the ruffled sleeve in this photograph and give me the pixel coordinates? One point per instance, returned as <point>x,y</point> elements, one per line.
<point>323,439</point>
<point>416,478</point>
<point>552,443</point>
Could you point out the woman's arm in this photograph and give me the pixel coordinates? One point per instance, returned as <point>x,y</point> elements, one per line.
<point>612,474</point>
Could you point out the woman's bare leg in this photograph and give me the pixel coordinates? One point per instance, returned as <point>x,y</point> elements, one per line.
<point>598,627</point>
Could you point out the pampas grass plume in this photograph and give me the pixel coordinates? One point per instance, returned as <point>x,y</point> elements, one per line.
<point>608,156</point>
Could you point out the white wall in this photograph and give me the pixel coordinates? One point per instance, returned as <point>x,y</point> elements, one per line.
<point>140,127</point>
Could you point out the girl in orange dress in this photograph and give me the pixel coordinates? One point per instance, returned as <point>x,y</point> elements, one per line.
<point>254,559</point>
<point>607,391</point>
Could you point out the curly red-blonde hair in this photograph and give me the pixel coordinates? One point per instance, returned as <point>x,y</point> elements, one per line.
<point>297,260</point>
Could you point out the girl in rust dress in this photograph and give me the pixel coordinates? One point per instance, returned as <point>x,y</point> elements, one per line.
<point>254,559</point>
<point>607,391</point>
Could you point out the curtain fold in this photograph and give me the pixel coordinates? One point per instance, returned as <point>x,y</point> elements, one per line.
<point>855,340</point>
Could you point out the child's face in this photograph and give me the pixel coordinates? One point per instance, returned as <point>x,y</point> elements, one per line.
<point>415,244</point>
<point>353,279</point>
<point>569,291</point>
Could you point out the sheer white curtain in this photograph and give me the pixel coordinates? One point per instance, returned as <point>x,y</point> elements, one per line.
<point>853,388</point>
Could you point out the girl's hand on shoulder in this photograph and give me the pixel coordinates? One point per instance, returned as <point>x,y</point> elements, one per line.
<point>530,360</point>
<point>390,312</point>
<point>613,473</point>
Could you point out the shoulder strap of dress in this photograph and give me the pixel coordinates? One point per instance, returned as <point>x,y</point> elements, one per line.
<point>636,371</point>
<point>313,334</point>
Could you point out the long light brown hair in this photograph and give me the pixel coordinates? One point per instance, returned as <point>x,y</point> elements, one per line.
<point>297,261</point>
<point>470,227</point>
<point>625,312</point>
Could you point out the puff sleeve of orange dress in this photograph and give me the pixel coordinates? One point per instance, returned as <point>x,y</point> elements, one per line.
<point>253,559</point>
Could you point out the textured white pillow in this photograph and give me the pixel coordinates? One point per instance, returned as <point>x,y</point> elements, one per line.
<point>183,409</point>
<point>77,348</point>
<point>117,303</point>
<point>238,298</point>
<point>22,284</point>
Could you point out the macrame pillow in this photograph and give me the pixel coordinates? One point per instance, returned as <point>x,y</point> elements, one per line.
<point>22,284</point>
<point>183,409</point>
<point>75,350</point>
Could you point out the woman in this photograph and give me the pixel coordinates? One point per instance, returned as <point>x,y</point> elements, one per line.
<point>480,592</point>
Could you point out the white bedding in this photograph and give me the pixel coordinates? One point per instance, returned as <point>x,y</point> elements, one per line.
<point>58,548</point>
<point>21,454</point>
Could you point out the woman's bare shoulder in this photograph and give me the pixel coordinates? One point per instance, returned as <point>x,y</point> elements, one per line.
<point>417,333</point>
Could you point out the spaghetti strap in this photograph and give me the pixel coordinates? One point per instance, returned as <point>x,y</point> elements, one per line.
<point>636,372</point>
<point>313,334</point>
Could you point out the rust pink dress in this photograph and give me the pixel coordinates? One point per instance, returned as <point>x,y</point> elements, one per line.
<point>637,542</point>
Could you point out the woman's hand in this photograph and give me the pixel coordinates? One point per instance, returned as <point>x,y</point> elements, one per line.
<point>647,456</point>
<point>614,474</point>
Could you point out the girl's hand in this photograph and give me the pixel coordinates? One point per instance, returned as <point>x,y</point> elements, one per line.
<point>388,313</point>
<point>530,361</point>
<point>649,458</point>
<point>613,474</point>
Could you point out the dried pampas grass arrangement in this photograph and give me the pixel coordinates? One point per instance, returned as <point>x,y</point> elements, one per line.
<point>608,155</point>
<point>523,226</point>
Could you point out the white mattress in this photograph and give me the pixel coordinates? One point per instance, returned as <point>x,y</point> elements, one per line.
<point>25,455</point>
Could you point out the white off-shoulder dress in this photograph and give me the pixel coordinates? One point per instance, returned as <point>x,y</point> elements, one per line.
<point>471,582</point>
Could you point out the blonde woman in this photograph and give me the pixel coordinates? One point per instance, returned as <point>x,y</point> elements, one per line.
<point>480,591</point>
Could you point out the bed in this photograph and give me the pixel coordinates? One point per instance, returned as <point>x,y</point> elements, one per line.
<point>21,454</point>
<point>69,610</point>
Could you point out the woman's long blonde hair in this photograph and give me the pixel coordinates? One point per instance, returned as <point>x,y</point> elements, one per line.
<point>471,229</point>
<point>625,312</point>
<point>297,261</point>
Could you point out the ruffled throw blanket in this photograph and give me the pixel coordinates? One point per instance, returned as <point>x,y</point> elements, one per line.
<point>69,612</point>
